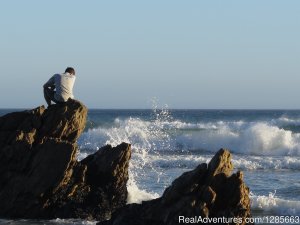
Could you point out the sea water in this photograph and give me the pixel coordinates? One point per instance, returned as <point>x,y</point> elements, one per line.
<point>165,143</point>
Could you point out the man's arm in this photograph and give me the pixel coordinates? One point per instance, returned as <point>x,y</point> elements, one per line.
<point>50,83</point>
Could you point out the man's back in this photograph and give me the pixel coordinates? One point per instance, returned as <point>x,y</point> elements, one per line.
<point>59,88</point>
<point>64,86</point>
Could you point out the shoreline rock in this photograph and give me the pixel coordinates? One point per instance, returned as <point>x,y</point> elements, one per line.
<point>40,176</point>
<point>209,191</point>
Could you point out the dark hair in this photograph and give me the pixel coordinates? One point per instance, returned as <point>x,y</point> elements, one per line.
<point>70,70</point>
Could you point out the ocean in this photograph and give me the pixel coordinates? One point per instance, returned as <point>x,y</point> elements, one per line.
<point>165,143</point>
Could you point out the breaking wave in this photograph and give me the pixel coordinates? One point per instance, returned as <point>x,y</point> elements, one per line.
<point>274,205</point>
<point>255,138</point>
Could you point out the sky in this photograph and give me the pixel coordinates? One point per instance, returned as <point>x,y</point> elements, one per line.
<point>186,54</point>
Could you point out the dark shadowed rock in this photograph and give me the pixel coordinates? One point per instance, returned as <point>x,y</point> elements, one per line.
<point>96,188</point>
<point>209,191</point>
<point>40,176</point>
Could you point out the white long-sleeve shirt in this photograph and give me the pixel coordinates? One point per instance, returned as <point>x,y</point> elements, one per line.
<point>63,84</point>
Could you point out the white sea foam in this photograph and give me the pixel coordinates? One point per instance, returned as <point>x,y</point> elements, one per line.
<point>266,163</point>
<point>241,162</point>
<point>255,138</point>
<point>274,205</point>
<point>73,222</point>
<point>283,120</point>
<point>136,194</point>
<point>142,134</point>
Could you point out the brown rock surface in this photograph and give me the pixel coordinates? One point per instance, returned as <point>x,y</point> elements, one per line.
<point>40,176</point>
<point>209,191</point>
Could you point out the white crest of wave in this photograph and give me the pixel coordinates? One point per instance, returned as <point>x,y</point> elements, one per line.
<point>241,162</point>
<point>275,205</point>
<point>266,139</point>
<point>266,162</point>
<point>257,138</point>
<point>141,134</point>
<point>284,120</point>
<point>136,194</point>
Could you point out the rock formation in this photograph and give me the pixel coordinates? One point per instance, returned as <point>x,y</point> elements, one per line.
<point>40,176</point>
<point>209,191</point>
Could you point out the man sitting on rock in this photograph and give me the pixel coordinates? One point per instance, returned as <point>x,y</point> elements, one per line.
<point>59,88</point>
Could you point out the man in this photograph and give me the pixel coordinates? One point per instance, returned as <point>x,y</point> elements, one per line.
<point>59,88</point>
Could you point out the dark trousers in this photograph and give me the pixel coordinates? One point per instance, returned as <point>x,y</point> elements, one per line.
<point>49,96</point>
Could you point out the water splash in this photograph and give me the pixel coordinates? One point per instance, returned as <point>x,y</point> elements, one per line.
<point>146,138</point>
<point>274,205</point>
<point>157,139</point>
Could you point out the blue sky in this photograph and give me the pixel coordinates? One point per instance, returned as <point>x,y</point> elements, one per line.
<point>187,54</point>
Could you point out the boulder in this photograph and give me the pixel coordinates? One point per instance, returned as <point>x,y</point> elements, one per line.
<point>209,191</point>
<point>40,176</point>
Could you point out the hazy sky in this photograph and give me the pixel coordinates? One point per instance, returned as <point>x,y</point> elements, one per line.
<point>187,54</point>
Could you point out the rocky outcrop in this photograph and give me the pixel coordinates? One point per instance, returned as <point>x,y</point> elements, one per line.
<point>40,176</point>
<point>209,191</point>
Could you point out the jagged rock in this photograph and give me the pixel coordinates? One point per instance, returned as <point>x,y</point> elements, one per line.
<point>96,188</point>
<point>40,176</point>
<point>209,191</point>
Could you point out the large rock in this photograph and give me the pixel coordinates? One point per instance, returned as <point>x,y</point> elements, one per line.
<point>40,176</point>
<point>209,191</point>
